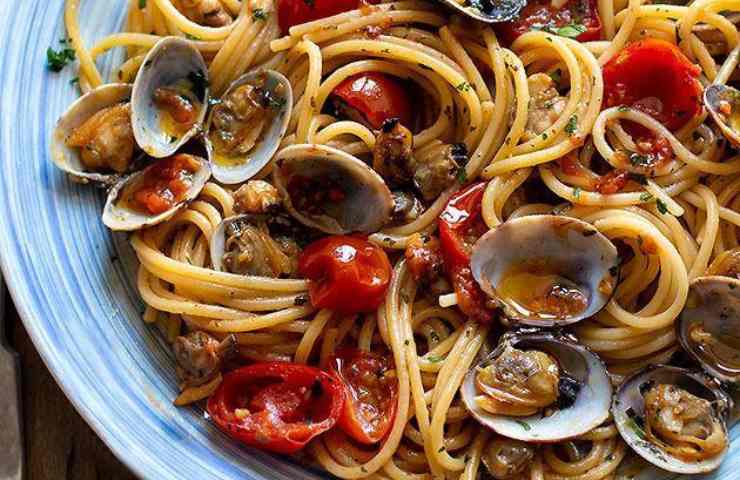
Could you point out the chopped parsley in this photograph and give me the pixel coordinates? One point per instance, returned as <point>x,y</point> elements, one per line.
<point>662,208</point>
<point>435,359</point>
<point>57,60</point>
<point>646,197</point>
<point>463,87</point>
<point>572,127</point>
<point>624,108</point>
<point>142,4</point>
<point>259,14</point>
<point>639,160</point>
<point>556,76</point>
<point>524,425</point>
<point>192,37</point>
<point>461,175</point>
<point>572,30</point>
<point>74,81</point>
<point>577,192</point>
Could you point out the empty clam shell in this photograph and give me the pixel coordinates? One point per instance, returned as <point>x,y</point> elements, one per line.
<point>723,103</point>
<point>68,158</point>
<point>332,191</point>
<point>175,73</point>
<point>587,410</point>
<point>489,11</point>
<point>122,212</point>
<point>628,410</point>
<point>245,128</point>
<point>546,270</point>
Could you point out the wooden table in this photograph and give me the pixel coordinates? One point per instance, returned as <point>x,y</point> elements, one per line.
<point>59,444</point>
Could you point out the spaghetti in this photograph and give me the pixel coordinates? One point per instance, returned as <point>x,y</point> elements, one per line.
<point>670,218</point>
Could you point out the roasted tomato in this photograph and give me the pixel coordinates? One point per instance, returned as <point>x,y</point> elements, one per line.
<point>277,406</point>
<point>295,12</point>
<point>348,274</point>
<point>166,184</point>
<point>541,14</point>
<point>653,76</point>
<point>371,394</point>
<point>372,98</point>
<point>460,225</point>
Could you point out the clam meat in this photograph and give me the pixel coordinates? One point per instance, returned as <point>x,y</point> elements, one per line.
<point>538,387</point>
<point>546,270</point>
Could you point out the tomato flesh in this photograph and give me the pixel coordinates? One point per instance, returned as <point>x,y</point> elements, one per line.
<point>164,185</point>
<point>655,77</point>
<point>540,14</point>
<point>375,97</point>
<point>348,274</point>
<point>460,225</point>
<point>278,407</point>
<point>295,12</point>
<point>371,395</point>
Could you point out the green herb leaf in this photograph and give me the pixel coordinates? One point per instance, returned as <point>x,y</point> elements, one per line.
<point>461,175</point>
<point>57,60</point>
<point>624,108</point>
<point>435,359</point>
<point>662,208</point>
<point>524,425</point>
<point>464,87</point>
<point>142,4</point>
<point>572,30</point>
<point>259,14</point>
<point>74,81</point>
<point>556,76</point>
<point>646,197</point>
<point>572,127</point>
<point>192,37</point>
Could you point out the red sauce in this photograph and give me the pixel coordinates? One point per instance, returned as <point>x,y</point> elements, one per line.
<point>164,185</point>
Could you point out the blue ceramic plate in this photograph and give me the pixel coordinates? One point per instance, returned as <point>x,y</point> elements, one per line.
<point>72,280</point>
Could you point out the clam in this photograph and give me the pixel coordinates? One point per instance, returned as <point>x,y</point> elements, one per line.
<point>489,11</point>
<point>538,387</point>
<point>673,418</point>
<point>246,126</point>
<point>332,191</point>
<point>260,245</point>
<point>709,326</point>
<point>155,194</point>
<point>723,103</point>
<point>546,270</point>
<point>170,97</point>
<point>104,153</point>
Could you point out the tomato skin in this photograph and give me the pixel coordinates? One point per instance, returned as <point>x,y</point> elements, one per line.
<point>295,12</point>
<point>655,77</point>
<point>348,274</point>
<point>377,97</point>
<point>284,409</point>
<point>541,13</point>
<point>366,420</point>
<point>460,224</point>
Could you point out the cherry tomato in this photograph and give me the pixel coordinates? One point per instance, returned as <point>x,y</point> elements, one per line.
<point>371,394</point>
<point>166,184</point>
<point>276,406</point>
<point>540,14</point>
<point>348,274</point>
<point>372,98</point>
<point>655,77</point>
<point>295,12</point>
<point>460,225</point>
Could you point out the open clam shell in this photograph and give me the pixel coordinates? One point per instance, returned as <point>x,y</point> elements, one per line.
<point>119,213</point>
<point>510,261</point>
<point>628,407</point>
<point>709,326</point>
<point>589,409</point>
<point>176,64</point>
<point>332,191</point>
<point>67,158</point>
<point>723,104</point>
<point>277,96</point>
<point>489,11</point>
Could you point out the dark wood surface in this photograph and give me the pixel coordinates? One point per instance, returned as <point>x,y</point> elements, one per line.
<point>59,445</point>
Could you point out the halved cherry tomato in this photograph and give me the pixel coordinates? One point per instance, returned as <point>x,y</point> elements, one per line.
<point>277,406</point>
<point>295,12</point>
<point>372,98</point>
<point>348,274</point>
<point>460,225</point>
<point>371,394</point>
<point>655,77</point>
<point>540,14</point>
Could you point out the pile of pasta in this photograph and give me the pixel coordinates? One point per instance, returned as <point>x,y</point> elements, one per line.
<point>477,93</point>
